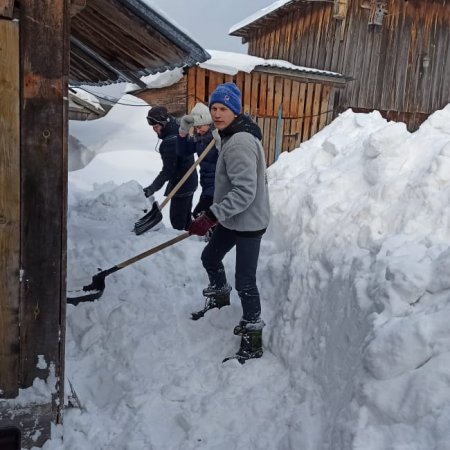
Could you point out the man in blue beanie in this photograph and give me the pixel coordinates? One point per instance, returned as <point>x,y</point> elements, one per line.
<point>241,210</point>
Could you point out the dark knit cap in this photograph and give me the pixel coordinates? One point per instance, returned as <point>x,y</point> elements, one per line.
<point>158,114</point>
<point>227,94</point>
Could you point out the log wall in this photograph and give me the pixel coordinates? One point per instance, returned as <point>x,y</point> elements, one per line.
<point>306,107</point>
<point>172,97</point>
<point>400,67</point>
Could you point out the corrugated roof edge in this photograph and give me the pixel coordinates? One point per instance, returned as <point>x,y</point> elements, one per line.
<point>196,53</point>
<point>239,29</point>
<point>335,78</point>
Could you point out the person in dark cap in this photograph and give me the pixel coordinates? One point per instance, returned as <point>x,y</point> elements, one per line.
<point>241,211</point>
<point>173,169</point>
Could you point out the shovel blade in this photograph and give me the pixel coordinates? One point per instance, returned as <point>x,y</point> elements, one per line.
<point>149,220</point>
<point>94,290</point>
<point>90,297</point>
<point>152,213</point>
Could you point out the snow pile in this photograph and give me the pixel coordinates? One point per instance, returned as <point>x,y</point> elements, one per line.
<point>355,290</point>
<point>363,239</point>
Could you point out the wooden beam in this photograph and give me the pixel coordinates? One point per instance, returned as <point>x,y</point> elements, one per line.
<point>9,207</point>
<point>334,80</point>
<point>6,8</point>
<point>44,45</point>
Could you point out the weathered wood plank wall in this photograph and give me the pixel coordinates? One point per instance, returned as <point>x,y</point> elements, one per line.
<point>401,66</point>
<point>9,208</point>
<point>306,106</point>
<point>44,38</point>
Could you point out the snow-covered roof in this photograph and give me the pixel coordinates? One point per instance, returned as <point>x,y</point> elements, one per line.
<point>85,99</point>
<point>261,13</point>
<point>231,63</point>
<point>276,8</point>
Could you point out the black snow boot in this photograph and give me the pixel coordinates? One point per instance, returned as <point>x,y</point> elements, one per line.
<point>246,326</point>
<point>251,347</point>
<point>214,298</point>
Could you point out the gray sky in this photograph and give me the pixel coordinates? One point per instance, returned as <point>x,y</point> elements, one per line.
<point>208,21</point>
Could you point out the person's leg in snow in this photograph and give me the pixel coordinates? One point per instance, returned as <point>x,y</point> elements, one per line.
<point>218,291</point>
<point>250,326</point>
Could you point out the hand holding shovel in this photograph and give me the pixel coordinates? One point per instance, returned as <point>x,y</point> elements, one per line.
<point>154,216</point>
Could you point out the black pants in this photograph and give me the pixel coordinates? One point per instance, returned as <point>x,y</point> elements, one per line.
<point>247,254</point>
<point>203,205</point>
<point>180,212</point>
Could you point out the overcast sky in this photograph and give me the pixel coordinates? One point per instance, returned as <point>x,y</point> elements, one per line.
<point>208,21</point>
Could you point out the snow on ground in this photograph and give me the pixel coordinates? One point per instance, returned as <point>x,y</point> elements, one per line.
<point>355,290</point>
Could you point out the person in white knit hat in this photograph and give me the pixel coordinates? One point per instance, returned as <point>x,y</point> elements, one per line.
<point>200,120</point>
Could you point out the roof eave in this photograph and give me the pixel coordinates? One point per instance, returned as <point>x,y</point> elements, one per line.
<point>337,80</point>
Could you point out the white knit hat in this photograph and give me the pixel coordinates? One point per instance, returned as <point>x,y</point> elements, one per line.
<point>201,115</point>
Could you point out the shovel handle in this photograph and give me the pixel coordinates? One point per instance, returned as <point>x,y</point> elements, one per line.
<point>152,250</point>
<point>187,174</point>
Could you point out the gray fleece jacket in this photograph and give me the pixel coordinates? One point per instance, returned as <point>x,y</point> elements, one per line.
<point>241,198</point>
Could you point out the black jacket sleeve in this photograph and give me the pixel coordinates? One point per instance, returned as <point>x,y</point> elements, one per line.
<point>185,146</point>
<point>168,152</point>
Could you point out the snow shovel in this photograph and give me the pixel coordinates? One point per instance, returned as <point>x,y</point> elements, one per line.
<point>95,290</point>
<point>154,216</point>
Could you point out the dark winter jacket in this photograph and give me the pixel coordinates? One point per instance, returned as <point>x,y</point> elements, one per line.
<point>241,198</point>
<point>174,167</point>
<point>189,145</point>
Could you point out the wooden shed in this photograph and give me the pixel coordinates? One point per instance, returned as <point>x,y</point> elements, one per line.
<point>397,51</point>
<point>43,45</point>
<point>289,103</point>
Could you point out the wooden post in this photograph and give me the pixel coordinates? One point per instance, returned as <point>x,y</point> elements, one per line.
<point>44,38</point>
<point>9,207</point>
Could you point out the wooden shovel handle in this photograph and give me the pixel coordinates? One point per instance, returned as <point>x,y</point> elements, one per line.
<point>152,250</point>
<point>187,174</point>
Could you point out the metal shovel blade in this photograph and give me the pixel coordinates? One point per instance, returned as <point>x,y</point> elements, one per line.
<point>94,295</point>
<point>94,290</point>
<point>147,222</point>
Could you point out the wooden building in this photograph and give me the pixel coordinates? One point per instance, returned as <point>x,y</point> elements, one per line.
<point>289,103</point>
<point>397,51</point>
<point>43,46</point>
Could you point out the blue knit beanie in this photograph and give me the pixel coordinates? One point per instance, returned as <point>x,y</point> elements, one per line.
<point>227,94</point>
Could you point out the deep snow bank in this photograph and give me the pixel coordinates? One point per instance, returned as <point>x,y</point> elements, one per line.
<point>362,282</point>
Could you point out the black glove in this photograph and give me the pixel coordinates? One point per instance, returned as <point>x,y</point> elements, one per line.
<point>148,191</point>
